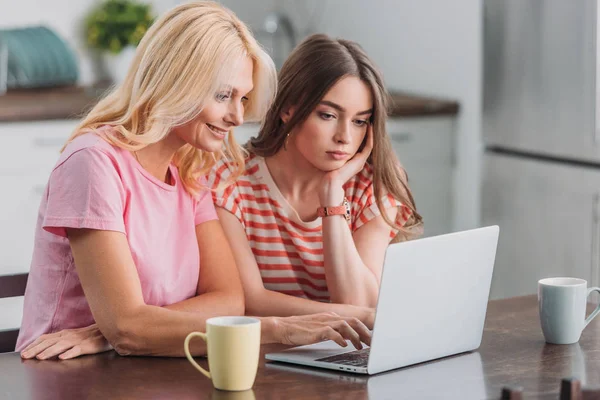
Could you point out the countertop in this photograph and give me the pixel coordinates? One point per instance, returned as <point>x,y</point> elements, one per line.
<point>512,353</point>
<point>73,102</point>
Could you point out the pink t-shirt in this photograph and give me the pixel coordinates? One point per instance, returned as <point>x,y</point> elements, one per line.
<point>99,186</point>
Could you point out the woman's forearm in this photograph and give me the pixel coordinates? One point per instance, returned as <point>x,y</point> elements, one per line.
<point>270,303</point>
<point>160,331</point>
<point>348,279</point>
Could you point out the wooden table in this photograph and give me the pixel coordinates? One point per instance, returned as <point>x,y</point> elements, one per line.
<point>513,352</point>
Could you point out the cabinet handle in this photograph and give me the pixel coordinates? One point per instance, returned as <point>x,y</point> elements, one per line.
<point>595,275</point>
<point>48,142</point>
<point>401,137</point>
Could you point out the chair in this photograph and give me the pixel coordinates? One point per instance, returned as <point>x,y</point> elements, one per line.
<point>11,286</point>
<point>512,393</point>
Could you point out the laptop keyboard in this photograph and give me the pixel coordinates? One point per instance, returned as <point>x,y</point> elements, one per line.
<point>358,358</point>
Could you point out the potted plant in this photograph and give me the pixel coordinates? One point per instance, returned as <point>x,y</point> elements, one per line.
<point>115,28</point>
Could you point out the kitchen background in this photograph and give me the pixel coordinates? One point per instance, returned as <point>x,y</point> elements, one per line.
<point>477,87</point>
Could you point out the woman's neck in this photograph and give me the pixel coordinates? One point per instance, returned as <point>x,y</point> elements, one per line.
<point>156,157</point>
<point>294,176</point>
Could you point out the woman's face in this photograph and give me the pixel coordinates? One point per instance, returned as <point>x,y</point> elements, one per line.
<point>221,113</point>
<point>335,129</point>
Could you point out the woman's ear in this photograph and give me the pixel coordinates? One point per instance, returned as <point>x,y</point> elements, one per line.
<point>287,114</point>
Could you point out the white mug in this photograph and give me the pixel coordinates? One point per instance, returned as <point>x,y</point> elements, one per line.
<point>562,307</point>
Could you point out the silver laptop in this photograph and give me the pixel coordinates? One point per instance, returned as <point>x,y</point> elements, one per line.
<point>432,303</point>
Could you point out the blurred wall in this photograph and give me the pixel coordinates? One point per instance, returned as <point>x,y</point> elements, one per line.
<point>427,47</point>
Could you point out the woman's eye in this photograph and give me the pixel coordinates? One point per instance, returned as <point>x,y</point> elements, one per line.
<point>360,122</point>
<point>222,96</point>
<point>326,116</point>
<point>244,99</point>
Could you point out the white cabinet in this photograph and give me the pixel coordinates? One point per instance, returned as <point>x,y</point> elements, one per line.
<point>425,147</point>
<point>548,218</point>
<point>28,154</point>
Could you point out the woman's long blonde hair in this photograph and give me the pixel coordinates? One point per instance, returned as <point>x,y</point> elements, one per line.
<point>186,56</point>
<point>314,66</point>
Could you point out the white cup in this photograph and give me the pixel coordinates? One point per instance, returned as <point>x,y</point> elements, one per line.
<point>562,306</point>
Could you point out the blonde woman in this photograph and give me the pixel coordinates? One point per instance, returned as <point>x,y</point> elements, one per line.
<point>322,194</point>
<point>128,246</point>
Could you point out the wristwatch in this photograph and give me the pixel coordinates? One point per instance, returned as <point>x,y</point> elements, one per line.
<point>343,209</point>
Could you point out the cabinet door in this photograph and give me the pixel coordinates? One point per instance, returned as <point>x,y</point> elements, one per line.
<point>426,150</point>
<point>30,152</point>
<point>548,218</point>
<point>32,147</point>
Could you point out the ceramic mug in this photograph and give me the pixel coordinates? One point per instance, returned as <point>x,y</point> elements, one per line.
<point>233,348</point>
<point>562,307</point>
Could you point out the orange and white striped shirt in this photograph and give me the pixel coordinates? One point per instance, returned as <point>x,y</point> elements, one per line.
<point>288,250</point>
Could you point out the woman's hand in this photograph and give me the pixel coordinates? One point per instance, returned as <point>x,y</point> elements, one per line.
<point>308,329</point>
<point>332,193</point>
<point>66,344</point>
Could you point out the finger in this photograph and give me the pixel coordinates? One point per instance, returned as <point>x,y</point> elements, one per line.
<point>328,333</point>
<point>363,331</point>
<point>50,336</point>
<point>73,352</point>
<point>349,333</point>
<point>32,345</point>
<point>38,348</point>
<point>56,349</point>
<point>323,317</point>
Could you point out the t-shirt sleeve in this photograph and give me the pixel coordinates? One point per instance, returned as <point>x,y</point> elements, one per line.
<point>205,209</point>
<point>225,194</point>
<point>364,206</point>
<point>85,191</point>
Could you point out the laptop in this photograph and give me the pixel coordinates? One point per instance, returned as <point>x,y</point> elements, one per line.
<point>432,304</point>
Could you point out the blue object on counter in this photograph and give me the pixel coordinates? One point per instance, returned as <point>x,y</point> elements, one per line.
<point>35,57</point>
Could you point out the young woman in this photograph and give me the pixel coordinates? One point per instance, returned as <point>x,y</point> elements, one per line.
<point>127,235</point>
<point>322,194</point>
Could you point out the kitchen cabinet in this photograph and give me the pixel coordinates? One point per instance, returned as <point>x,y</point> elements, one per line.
<point>548,215</point>
<point>29,151</point>
<point>27,157</point>
<point>425,147</point>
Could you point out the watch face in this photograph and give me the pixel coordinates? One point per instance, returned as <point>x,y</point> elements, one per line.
<point>347,205</point>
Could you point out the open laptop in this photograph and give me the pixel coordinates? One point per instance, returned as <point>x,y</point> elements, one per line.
<point>432,303</point>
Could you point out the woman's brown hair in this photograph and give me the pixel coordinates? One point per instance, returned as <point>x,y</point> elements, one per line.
<point>314,66</point>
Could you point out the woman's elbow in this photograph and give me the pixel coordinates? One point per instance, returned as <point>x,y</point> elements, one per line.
<point>125,338</point>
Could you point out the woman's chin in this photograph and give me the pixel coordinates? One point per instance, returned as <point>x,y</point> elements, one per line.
<point>328,166</point>
<point>209,146</point>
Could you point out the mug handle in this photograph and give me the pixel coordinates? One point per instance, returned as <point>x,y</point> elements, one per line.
<point>186,348</point>
<point>597,310</point>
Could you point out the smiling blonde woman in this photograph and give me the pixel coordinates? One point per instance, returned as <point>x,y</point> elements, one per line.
<point>128,246</point>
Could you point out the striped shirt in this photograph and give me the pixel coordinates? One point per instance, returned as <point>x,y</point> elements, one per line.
<point>288,250</point>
